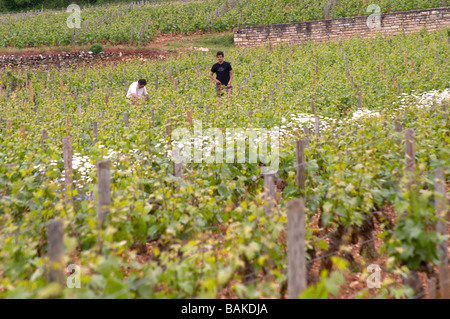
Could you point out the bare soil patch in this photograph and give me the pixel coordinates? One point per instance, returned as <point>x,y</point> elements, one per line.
<point>60,57</point>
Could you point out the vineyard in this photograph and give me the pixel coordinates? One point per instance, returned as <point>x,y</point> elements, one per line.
<point>346,114</point>
<point>140,22</point>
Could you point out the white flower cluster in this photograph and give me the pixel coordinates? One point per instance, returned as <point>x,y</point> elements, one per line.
<point>308,120</point>
<point>424,100</point>
<point>41,167</point>
<point>83,165</point>
<point>363,113</point>
<point>220,141</point>
<point>300,121</point>
<point>110,154</point>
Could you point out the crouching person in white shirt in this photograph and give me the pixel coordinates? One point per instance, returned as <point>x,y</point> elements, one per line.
<point>137,90</point>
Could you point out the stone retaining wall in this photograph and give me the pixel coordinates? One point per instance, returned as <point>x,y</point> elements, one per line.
<point>323,30</point>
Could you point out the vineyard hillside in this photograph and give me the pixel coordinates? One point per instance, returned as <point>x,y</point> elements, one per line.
<point>322,172</point>
<point>140,22</point>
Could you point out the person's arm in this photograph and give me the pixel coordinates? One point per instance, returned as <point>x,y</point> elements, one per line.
<point>132,92</point>
<point>211,75</point>
<point>231,77</point>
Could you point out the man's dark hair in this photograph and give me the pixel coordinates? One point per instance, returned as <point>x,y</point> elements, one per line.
<point>142,82</point>
<point>220,53</point>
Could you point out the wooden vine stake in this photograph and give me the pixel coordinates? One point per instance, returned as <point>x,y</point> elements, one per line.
<point>360,99</point>
<point>178,169</point>
<point>55,235</point>
<point>68,171</point>
<point>398,126</point>
<point>44,138</point>
<point>398,129</point>
<point>22,131</point>
<point>31,92</point>
<point>317,125</point>
<point>441,227</point>
<point>153,116</point>
<point>189,118</point>
<point>306,141</point>
<point>104,190</point>
<point>432,288</point>
<point>410,162</point>
<point>168,129</point>
<point>300,161</point>
<point>125,119</point>
<point>94,129</point>
<point>177,164</point>
<point>61,85</point>
<point>269,193</point>
<point>296,248</point>
<point>444,109</point>
<point>67,124</point>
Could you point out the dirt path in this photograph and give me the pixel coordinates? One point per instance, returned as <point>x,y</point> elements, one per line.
<point>160,48</point>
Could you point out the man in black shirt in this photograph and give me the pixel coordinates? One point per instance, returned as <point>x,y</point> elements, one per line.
<point>224,74</point>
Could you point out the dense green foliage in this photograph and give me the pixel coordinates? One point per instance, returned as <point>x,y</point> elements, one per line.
<point>21,5</point>
<point>126,24</point>
<point>96,48</point>
<point>351,170</point>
